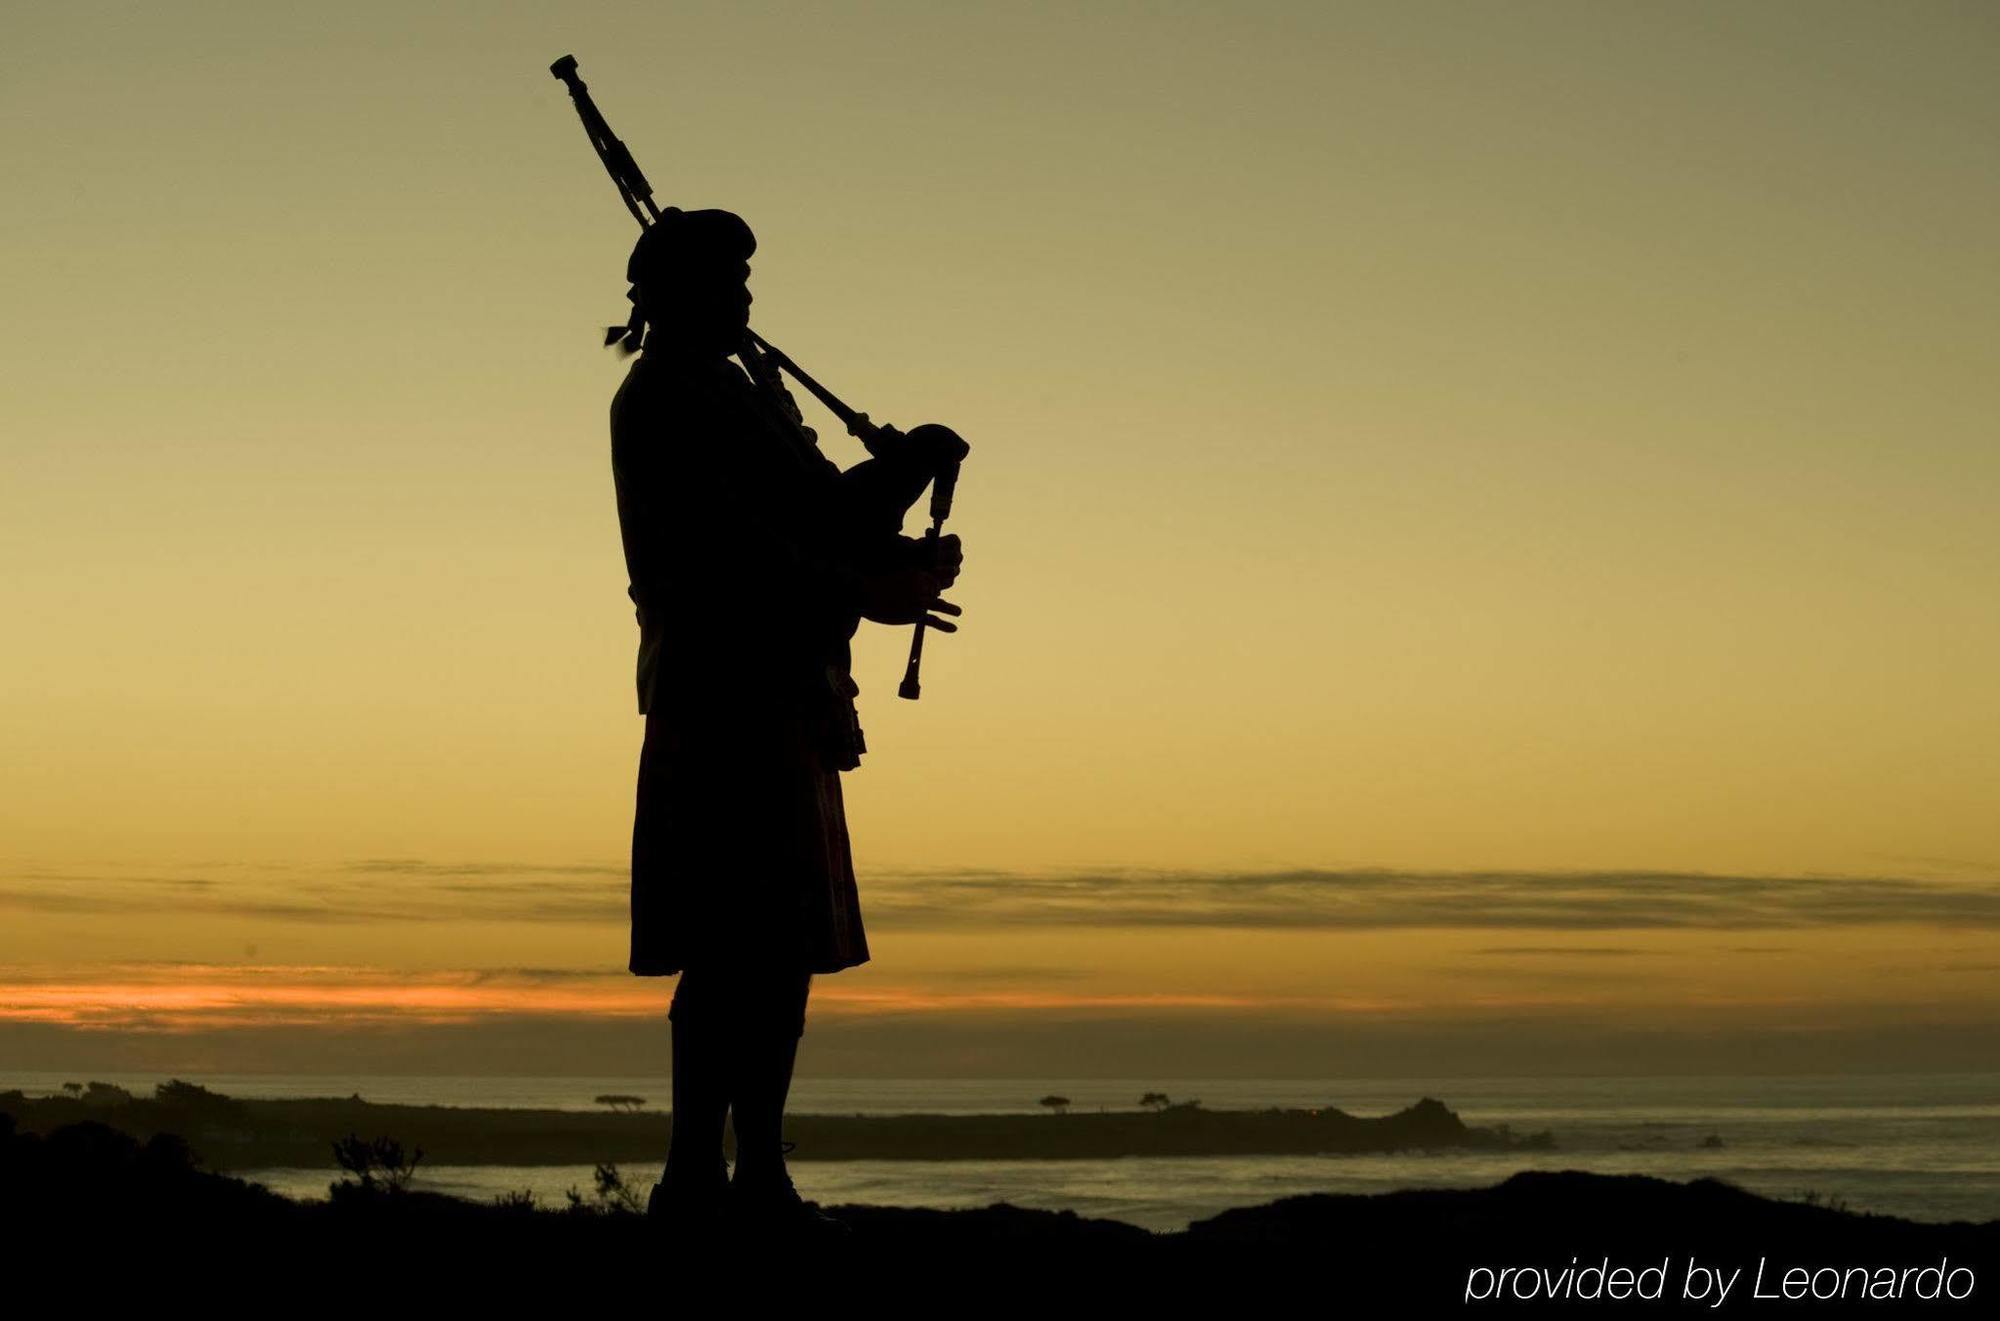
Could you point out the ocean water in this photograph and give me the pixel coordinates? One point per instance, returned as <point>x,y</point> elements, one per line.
<point>1921,1146</point>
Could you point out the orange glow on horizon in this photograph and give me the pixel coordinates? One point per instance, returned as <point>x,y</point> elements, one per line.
<point>210,996</point>
<point>182,998</point>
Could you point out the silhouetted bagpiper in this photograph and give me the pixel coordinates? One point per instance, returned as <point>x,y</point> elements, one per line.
<point>752,558</point>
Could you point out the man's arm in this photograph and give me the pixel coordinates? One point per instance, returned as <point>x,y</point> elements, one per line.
<point>727,552</point>
<point>726,539</point>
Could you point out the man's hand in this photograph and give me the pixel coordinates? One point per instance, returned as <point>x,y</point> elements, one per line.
<point>949,559</point>
<point>906,596</point>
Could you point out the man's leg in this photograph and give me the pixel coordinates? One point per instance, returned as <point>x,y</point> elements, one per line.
<point>701,1051</point>
<point>773,1008</point>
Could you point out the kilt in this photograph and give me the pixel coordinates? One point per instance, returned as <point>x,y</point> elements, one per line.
<point>740,854</point>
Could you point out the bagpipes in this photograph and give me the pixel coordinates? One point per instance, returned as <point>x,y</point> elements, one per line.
<point>936,449</point>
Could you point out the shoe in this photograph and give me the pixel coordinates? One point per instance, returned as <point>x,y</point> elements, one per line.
<point>689,1203</point>
<point>771,1205</point>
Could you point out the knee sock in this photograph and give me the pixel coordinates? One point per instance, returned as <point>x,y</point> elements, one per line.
<point>761,1081</point>
<point>701,1101</point>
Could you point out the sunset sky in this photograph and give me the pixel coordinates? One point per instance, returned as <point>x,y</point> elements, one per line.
<point>1481,539</point>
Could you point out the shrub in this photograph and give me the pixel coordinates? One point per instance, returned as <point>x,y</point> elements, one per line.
<point>378,1164</point>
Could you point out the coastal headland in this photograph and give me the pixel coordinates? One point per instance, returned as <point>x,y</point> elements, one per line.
<point>232,1134</point>
<point>88,1207</point>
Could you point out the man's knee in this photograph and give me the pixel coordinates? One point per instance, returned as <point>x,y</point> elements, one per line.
<point>742,1000</point>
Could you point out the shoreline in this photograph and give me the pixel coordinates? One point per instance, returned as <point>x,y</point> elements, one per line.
<point>230,1134</point>
<point>86,1185</point>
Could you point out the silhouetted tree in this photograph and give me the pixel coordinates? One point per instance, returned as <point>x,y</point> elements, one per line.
<point>73,1088</point>
<point>378,1163</point>
<point>1154,1101</point>
<point>622,1103</point>
<point>1059,1104</point>
<point>103,1093</point>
